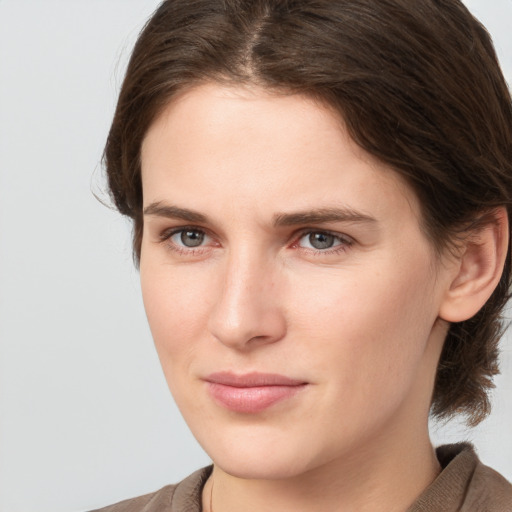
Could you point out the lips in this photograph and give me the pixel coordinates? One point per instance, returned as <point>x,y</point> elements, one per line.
<point>252,392</point>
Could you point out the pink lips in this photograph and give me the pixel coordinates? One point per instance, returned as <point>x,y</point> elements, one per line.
<point>252,392</point>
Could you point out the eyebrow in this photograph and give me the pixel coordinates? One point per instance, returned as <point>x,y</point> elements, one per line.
<point>322,215</point>
<point>174,212</point>
<point>315,216</point>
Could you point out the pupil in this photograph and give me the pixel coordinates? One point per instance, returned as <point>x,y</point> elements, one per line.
<point>321,240</point>
<point>192,238</point>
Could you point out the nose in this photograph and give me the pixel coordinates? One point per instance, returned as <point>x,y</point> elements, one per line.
<point>248,312</point>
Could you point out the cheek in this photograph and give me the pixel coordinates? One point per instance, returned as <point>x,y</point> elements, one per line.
<point>366,330</point>
<point>176,304</point>
<point>363,300</point>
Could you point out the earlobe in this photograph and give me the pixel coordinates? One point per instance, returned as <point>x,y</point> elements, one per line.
<point>479,268</point>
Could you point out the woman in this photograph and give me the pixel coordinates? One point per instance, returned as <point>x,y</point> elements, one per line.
<point>321,193</point>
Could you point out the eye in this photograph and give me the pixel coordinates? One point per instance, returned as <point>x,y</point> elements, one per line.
<point>189,238</point>
<point>322,241</point>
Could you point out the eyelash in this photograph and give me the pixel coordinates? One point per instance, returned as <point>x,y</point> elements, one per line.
<point>165,238</point>
<point>344,241</point>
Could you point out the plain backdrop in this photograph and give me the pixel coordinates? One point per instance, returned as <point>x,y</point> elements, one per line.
<point>85,415</point>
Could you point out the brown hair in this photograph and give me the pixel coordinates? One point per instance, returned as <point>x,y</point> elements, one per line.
<point>418,85</point>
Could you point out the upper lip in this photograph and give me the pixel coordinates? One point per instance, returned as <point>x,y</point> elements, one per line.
<point>250,380</point>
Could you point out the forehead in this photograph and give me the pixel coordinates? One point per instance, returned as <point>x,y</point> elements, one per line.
<point>251,147</point>
<point>238,113</point>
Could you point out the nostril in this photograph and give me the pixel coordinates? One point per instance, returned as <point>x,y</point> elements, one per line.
<point>254,327</point>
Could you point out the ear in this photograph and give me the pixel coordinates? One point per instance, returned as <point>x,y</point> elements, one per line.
<point>478,268</point>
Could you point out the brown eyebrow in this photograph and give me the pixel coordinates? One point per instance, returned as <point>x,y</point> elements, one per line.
<point>320,216</point>
<point>316,216</point>
<point>174,212</point>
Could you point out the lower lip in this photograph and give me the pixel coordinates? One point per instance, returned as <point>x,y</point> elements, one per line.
<point>251,399</point>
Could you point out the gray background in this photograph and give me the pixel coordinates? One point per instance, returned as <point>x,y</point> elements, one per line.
<point>85,415</point>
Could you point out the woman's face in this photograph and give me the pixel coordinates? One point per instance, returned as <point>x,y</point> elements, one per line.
<point>291,293</point>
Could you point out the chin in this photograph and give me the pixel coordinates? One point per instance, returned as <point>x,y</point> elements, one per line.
<point>261,468</point>
<point>263,453</point>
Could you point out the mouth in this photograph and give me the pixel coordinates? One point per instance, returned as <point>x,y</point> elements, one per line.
<point>252,392</point>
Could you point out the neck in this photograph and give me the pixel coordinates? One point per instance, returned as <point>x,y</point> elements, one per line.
<point>377,478</point>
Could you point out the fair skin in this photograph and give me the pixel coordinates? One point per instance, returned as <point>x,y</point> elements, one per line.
<point>273,244</point>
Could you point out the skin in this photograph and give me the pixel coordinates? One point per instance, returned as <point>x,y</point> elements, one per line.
<point>359,322</point>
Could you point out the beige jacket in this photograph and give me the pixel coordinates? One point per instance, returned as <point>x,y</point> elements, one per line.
<point>464,485</point>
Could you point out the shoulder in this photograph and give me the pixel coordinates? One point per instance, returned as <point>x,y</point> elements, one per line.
<point>185,495</point>
<point>489,488</point>
<point>148,502</point>
<point>465,485</point>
